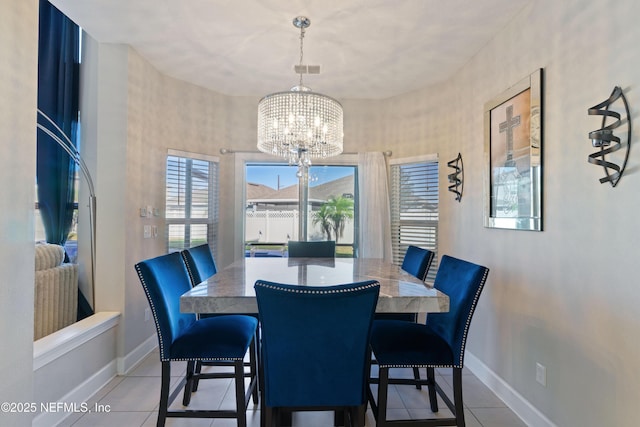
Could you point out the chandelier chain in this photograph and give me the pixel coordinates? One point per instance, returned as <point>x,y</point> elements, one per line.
<point>301,53</point>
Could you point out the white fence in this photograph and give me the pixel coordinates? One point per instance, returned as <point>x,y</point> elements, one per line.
<point>281,226</point>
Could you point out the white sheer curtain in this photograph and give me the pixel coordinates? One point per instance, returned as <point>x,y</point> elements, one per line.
<point>375,219</point>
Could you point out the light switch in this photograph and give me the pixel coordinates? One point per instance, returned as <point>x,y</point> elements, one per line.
<point>147,231</point>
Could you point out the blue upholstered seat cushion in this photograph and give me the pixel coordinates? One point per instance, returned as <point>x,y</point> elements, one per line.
<point>220,337</point>
<point>399,343</point>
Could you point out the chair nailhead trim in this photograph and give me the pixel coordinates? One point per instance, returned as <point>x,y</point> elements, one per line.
<point>153,311</point>
<point>418,366</point>
<point>473,308</point>
<point>186,263</point>
<point>319,291</point>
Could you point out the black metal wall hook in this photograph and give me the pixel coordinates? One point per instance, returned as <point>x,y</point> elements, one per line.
<point>457,178</point>
<point>606,141</point>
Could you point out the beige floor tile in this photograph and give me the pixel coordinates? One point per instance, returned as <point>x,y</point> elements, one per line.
<point>178,422</point>
<point>111,419</point>
<point>133,401</point>
<point>497,417</point>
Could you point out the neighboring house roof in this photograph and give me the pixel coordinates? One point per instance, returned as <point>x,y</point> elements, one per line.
<point>258,193</point>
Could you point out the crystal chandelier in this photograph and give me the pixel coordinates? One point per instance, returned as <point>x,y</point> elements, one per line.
<point>300,125</point>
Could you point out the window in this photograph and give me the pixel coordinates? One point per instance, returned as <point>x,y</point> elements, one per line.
<point>414,207</point>
<point>191,201</point>
<point>272,207</point>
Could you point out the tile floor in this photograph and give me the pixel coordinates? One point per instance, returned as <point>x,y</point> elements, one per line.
<point>133,400</point>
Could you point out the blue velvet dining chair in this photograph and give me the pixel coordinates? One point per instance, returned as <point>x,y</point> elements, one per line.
<point>439,343</point>
<point>416,262</point>
<point>183,337</point>
<point>319,249</point>
<point>200,263</point>
<point>315,348</point>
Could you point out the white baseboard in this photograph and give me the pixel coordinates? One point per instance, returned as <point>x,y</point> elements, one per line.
<point>528,413</point>
<point>82,393</point>
<point>131,360</point>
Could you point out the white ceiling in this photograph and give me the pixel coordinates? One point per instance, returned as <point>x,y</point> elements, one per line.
<point>366,48</point>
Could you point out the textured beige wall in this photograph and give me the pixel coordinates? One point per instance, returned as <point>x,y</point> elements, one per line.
<point>18,77</point>
<point>566,297</point>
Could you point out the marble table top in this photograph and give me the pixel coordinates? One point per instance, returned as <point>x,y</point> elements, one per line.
<point>231,289</point>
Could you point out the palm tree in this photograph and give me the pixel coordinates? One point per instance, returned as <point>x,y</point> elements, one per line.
<point>340,209</point>
<point>322,217</point>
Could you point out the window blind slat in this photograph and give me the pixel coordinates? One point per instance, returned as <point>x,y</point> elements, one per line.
<point>191,203</point>
<point>414,208</point>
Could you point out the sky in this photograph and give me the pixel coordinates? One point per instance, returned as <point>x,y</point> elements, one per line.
<point>269,174</point>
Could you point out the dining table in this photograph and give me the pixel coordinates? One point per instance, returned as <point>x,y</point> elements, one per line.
<point>231,290</point>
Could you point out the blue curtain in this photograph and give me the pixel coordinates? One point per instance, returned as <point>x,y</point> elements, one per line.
<point>58,85</point>
<point>58,98</point>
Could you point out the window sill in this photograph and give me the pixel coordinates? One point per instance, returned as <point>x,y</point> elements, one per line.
<point>49,348</point>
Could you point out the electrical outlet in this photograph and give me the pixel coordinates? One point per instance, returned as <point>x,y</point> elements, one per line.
<point>147,314</point>
<point>541,374</point>
<point>143,212</point>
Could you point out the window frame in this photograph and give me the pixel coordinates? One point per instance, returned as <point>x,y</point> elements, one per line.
<point>398,244</point>
<point>213,201</point>
<point>241,159</point>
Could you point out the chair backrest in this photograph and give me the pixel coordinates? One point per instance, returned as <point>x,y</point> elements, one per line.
<point>315,342</point>
<point>417,261</point>
<point>200,263</point>
<point>463,282</point>
<point>164,279</point>
<point>322,249</point>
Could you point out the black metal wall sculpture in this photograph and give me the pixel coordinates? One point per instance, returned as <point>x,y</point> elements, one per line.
<point>457,178</point>
<point>606,141</point>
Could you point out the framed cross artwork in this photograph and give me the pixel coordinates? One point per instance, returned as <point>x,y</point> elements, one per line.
<point>513,157</point>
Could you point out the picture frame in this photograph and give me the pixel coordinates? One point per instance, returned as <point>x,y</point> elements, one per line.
<point>513,157</point>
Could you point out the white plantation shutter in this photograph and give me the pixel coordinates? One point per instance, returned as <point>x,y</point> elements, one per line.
<point>414,207</point>
<point>191,201</point>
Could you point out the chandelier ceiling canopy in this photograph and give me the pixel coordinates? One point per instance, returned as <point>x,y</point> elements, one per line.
<point>300,125</point>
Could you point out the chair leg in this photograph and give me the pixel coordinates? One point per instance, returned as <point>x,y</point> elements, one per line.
<point>164,393</point>
<point>383,386</point>
<point>196,382</point>
<point>285,417</point>
<point>241,406</point>
<point>339,418</point>
<point>358,415</point>
<point>433,399</point>
<point>253,368</point>
<point>457,397</point>
<point>268,417</point>
<point>189,386</point>
<point>416,376</point>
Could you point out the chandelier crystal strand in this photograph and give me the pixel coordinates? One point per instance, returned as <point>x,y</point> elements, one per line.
<point>300,125</point>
